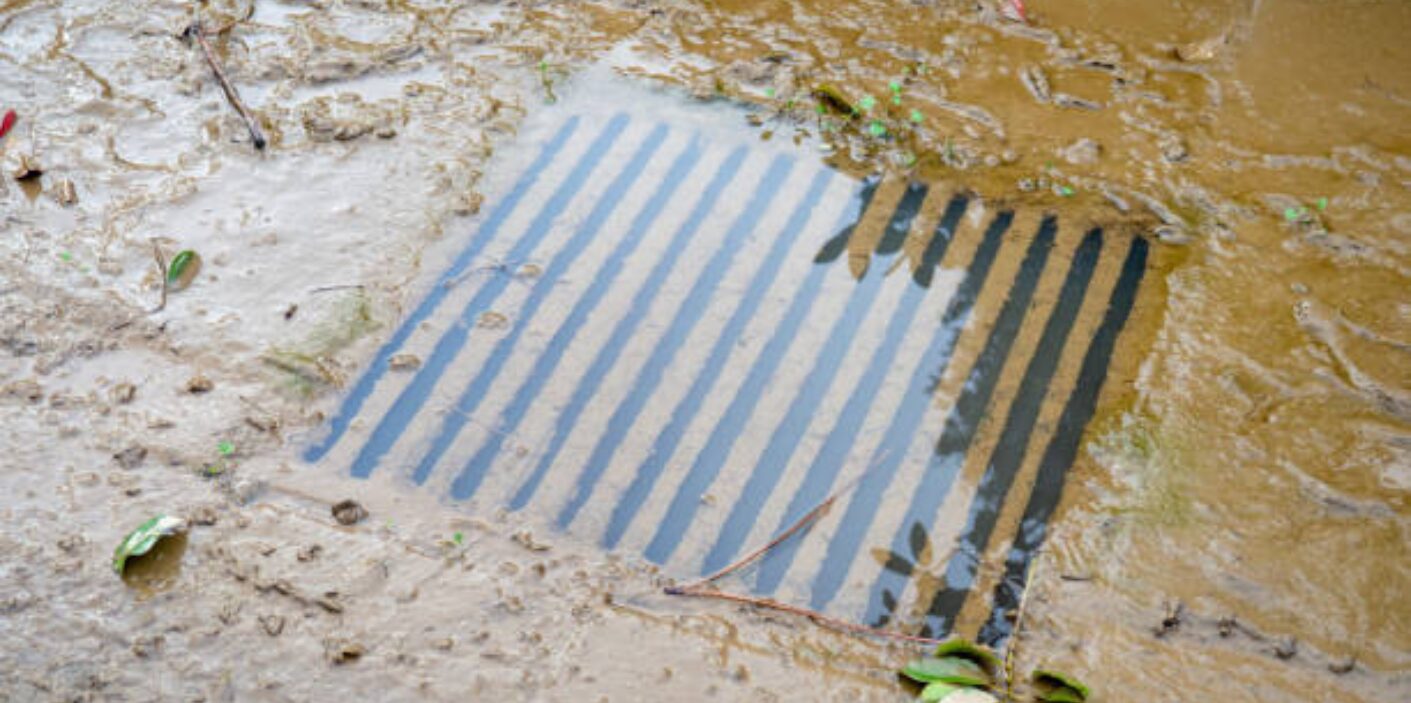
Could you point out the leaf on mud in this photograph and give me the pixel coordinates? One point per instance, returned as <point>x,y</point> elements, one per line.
<point>936,691</point>
<point>184,267</point>
<point>971,695</point>
<point>1056,687</point>
<point>141,540</point>
<point>965,649</point>
<point>952,670</point>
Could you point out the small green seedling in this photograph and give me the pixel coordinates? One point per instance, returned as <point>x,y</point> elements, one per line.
<point>183,269</point>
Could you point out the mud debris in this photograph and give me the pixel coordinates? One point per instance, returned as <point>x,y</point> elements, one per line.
<point>525,538</point>
<point>1171,619</point>
<point>131,457</point>
<point>27,168</point>
<point>1036,82</point>
<point>199,384</point>
<point>64,192</point>
<point>340,651</point>
<point>272,624</point>
<point>492,320</point>
<point>123,393</point>
<point>404,362</point>
<point>349,512</point>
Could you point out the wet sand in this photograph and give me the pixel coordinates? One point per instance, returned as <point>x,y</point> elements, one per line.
<point>1249,459</point>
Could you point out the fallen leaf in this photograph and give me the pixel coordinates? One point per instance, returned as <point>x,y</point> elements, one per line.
<point>952,670</point>
<point>141,540</point>
<point>1056,687</point>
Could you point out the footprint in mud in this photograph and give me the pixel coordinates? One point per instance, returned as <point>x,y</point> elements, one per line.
<point>156,571</point>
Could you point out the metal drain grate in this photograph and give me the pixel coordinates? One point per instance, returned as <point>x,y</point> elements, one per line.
<point>724,334</point>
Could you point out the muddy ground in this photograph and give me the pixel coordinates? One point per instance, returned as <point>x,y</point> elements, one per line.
<point>1251,460</point>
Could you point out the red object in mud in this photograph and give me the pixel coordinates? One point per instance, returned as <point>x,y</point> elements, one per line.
<point>1019,10</point>
<point>7,123</point>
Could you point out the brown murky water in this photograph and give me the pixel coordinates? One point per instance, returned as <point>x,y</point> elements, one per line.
<point>1250,459</point>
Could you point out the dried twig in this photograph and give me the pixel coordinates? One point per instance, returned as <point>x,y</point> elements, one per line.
<point>344,286</point>
<point>813,615</point>
<point>704,589</point>
<point>256,135</point>
<point>1011,652</point>
<point>161,271</point>
<point>808,519</point>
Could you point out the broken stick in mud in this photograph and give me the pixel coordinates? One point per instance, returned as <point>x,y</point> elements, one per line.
<point>704,587</point>
<point>256,134</point>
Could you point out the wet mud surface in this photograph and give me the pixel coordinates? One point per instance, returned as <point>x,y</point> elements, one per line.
<point>1234,524</point>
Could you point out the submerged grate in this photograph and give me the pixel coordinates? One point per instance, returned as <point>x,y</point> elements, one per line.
<point>727,332</point>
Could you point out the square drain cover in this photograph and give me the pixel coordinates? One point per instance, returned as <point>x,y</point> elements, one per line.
<point>667,335</point>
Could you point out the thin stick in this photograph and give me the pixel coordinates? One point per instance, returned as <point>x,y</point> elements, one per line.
<point>703,588</point>
<point>813,615</point>
<point>231,95</point>
<point>162,270</point>
<point>808,519</point>
<point>1011,652</point>
<point>344,286</point>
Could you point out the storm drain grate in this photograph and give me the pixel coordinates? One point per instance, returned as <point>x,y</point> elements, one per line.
<point>723,333</point>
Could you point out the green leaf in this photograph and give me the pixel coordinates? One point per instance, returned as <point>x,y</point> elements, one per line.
<point>971,695</point>
<point>141,540</point>
<point>458,538</point>
<point>953,670</point>
<point>965,649</point>
<point>1062,694</point>
<point>225,448</point>
<point>916,116</point>
<point>184,267</point>
<point>877,129</point>
<point>1322,204</point>
<point>936,690</point>
<point>1057,687</point>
